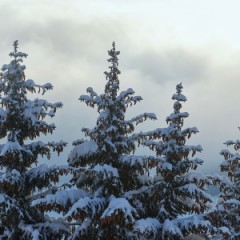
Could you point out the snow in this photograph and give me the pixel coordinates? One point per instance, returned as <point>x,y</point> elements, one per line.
<point>133,193</point>
<point>11,178</point>
<point>225,230</point>
<point>142,117</point>
<point>82,150</point>
<point>229,142</point>
<point>8,203</point>
<point>232,202</point>
<point>132,160</point>
<point>29,231</point>
<point>92,99</point>
<point>61,197</point>
<point>195,177</point>
<point>39,108</point>
<point>123,94</point>
<point>179,97</point>
<point>165,166</point>
<point>192,189</point>
<point>169,229</point>
<point>120,205</point>
<point>90,207</point>
<point>3,115</point>
<point>145,179</point>
<point>190,130</point>
<point>45,171</point>
<point>103,116</point>
<point>147,227</point>
<point>194,220</point>
<point>106,170</point>
<point>82,229</point>
<point>2,198</point>
<point>194,225</point>
<point>225,152</point>
<point>135,160</point>
<point>11,147</point>
<point>173,116</point>
<point>47,86</point>
<point>236,156</point>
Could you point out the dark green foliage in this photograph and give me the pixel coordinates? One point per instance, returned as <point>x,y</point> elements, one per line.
<point>177,189</point>
<point>112,178</point>
<point>21,121</point>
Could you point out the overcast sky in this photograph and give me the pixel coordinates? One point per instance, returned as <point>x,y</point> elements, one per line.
<point>162,43</point>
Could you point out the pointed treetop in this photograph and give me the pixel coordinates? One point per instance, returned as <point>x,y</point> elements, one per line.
<point>179,88</point>
<point>16,54</point>
<point>15,46</point>
<point>178,95</point>
<point>112,85</point>
<point>113,54</point>
<point>177,117</point>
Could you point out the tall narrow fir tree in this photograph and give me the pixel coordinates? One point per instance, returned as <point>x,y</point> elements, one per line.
<point>109,173</point>
<point>106,176</point>
<point>177,190</point>
<point>21,178</point>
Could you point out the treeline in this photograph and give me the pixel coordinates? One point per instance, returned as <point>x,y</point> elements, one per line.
<point>111,193</point>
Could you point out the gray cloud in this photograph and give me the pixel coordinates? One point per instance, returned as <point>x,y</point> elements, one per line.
<point>175,65</point>
<point>61,37</point>
<point>65,38</point>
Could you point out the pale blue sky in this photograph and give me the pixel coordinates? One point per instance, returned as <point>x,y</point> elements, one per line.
<point>162,43</point>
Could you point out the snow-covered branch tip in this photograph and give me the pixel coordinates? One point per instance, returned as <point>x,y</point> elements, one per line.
<point>143,117</point>
<point>57,146</point>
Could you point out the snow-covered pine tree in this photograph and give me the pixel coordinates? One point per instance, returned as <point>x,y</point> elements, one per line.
<point>21,179</point>
<point>105,172</point>
<point>177,189</point>
<point>226,216</point>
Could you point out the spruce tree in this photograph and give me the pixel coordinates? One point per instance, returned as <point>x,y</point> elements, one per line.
<point>106,177</point>
<point>177,189</point>
<point>226,216</point>
<point>22,179</point>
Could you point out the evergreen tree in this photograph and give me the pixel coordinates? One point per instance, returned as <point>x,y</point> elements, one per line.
<point>21,178</point>
<point>105,176</point>
<point>177,190</point>
<point>226,216</point>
